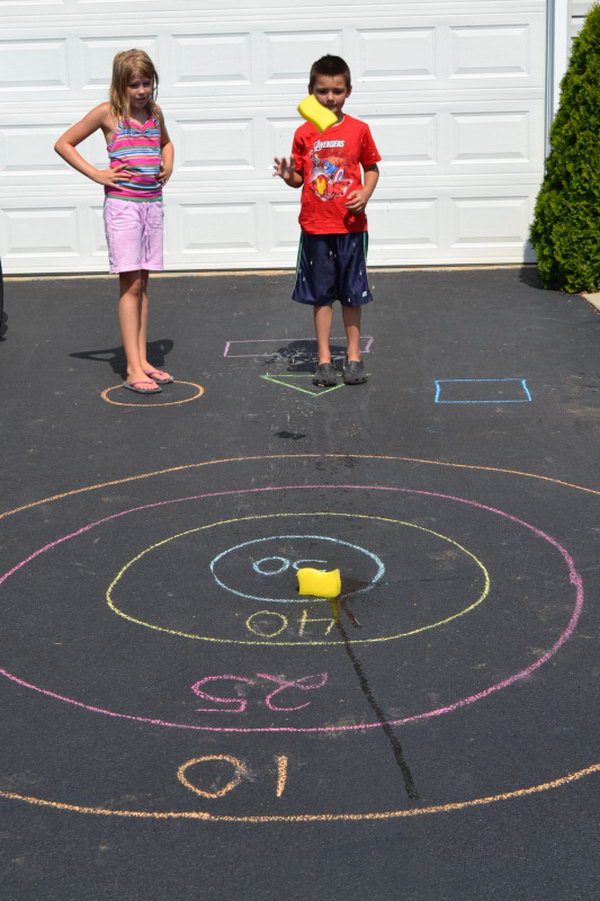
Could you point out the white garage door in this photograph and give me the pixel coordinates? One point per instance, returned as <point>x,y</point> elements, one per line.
<point>453,91</point>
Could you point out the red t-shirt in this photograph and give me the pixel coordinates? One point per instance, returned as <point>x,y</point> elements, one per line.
<point>330,164</point>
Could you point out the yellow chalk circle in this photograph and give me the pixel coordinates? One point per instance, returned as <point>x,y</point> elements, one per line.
<point>318,583</point>
<point>316,113</point>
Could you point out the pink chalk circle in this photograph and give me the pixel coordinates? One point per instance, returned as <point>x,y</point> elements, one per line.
<point>574,578</point>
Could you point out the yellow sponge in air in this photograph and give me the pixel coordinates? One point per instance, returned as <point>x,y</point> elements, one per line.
<point>316,113</point>
<point>318,583</point>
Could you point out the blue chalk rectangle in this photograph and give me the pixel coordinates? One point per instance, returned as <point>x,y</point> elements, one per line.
<point>482,391</point>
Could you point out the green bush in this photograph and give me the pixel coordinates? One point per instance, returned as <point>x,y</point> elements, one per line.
<point>566,226</point>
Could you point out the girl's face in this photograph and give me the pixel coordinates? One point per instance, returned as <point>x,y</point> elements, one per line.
<point>331,91</point>
<point>139,92</point>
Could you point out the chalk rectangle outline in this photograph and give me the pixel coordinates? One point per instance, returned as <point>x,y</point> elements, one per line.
<point>523,382</point>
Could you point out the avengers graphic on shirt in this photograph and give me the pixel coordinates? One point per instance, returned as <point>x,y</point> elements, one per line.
<point>327,178</point>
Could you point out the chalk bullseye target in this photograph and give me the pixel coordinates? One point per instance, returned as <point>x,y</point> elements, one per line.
<point>174,612</point>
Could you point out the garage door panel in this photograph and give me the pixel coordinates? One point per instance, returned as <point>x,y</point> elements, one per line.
<point>402,224</point>
<point>25,151</point>
<point>216,146</point>
<point>286,53</point>
<point>279,136</point>
<point>31,66</point>
<point>283,233</point>
<point>34,231</point>
<point>409,140</point>
<point>212,59</point>
<point>491,51</point>
<point>502,136</point>
<point>490,219</point>
<point>225,228</point>
<point>396,55</point>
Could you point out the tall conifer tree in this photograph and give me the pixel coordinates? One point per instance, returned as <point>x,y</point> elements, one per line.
<point>566,226</point>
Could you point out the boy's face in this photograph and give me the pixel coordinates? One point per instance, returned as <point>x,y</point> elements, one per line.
<point>331,91</point>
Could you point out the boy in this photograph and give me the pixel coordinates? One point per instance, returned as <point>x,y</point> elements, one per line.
<point>333,244</point>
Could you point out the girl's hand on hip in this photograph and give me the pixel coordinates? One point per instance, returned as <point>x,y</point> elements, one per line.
<point>111,177</point>
<point>164,175</point>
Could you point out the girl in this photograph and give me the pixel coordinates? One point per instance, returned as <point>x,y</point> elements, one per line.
<point>141,162</point>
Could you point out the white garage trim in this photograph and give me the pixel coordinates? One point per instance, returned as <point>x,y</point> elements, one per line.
<point>558,49</point>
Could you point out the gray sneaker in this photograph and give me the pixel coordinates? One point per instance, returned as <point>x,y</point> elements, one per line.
<point>354,373</point>
<point>325,376</point>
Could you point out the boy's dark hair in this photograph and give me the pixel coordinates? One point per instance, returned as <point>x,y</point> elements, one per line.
<point>329,65</point>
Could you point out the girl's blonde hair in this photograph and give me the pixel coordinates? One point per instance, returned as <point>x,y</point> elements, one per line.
<point>126,65</point>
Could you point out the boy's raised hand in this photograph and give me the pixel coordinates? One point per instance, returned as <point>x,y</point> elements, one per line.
<point>284,168</point>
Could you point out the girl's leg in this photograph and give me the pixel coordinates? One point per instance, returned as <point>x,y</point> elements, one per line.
<point>143,341</point>
<point>351,317</point>
<point>323,317</point>
<point>133,322</point>
<point>143,332</point>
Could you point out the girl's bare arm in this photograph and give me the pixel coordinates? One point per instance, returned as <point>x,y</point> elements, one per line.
<point>167,152</point>
<point>98,118</point>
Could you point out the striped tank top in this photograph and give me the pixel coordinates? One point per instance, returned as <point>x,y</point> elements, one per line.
<point>137,147</point>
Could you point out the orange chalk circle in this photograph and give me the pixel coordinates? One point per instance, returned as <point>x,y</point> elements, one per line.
<point>199,391</point>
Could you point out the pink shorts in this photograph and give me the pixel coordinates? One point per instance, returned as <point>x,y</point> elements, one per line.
<point>134,234</point>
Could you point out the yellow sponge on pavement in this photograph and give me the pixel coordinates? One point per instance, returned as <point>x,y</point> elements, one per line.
<point>318,583</point>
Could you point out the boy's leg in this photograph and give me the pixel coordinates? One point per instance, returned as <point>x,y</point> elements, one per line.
<point>325,375</point>
<point>133,323</point>
<point>316,284</point>
<point>351,317</point>
<point>354,294</point>
<point>323,318</point>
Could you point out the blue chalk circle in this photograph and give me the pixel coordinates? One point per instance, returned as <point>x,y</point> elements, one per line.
<point>238,571</point>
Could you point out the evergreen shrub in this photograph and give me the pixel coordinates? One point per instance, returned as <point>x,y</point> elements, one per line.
<point>566,225</point>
